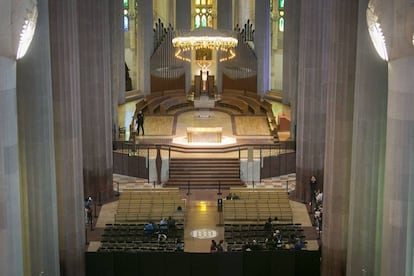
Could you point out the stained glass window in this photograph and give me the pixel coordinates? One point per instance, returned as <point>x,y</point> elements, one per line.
<point>203,21</point>
<point>126,23</point>
<point>203,13</point>
<point>281,24</point>
<point>197,21</point>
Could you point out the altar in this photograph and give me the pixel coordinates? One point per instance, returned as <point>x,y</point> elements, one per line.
<point>204,134</point>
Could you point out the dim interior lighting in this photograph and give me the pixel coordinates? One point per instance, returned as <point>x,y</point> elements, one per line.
<point>376,34</point>
<point>205,38</point>
<point>27,32</point>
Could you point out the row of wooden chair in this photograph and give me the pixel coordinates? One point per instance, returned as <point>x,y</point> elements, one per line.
<point>257,205</point>
<point>144,206</point>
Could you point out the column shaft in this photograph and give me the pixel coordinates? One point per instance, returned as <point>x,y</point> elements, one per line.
<point>117,38</point>
<point>398,218</point>
<point>145,46</point>
<point>262,45</point>
<point>291,60</point>
<point>96,98</point>
<point>224,22</point>
<point>311,98</point>
<point>340,57</point>
<point>11,255</point>
<point>67,134</point>
<point>36,153</point>
<point>368,155</point>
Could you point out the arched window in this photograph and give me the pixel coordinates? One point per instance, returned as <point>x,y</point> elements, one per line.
<point>281,15</point>
<point>197,21</point>
<point>203,16</point>
<point>126,18</point>
<point>203,21</point>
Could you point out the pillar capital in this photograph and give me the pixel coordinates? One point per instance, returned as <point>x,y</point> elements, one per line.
<point>391,25</point>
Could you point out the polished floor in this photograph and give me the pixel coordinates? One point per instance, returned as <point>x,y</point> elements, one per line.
<point>203,222</point>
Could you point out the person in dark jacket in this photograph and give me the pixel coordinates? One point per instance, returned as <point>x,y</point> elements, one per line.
<point>140,122</point>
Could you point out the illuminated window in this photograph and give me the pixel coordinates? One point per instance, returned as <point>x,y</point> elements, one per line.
<point>197,21</point>
<point>281,24</point>
<point>203,21</point>
<point>126,18</point>
<point>126,23</point>
<point>203,16</point>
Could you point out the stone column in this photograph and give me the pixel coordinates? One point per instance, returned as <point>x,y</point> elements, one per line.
<point>340,56</point>
<point>244,10</point>
<point>117,45</point>
<point>183,14</point>
<point>145,46</point>
<point>11,255</point>
<point>262,45</point>
<point>68,134</point>
<point>37,154</point>
<point>398,225</point>
<point>311,98</point>
<point>291,60</point>
<point>225,23</point>
<point>162,10</point>
<point>96,98</point>
<point>224,15</point>
<point>183,23</point>
<point>396,19</point>
<point>368,155</point>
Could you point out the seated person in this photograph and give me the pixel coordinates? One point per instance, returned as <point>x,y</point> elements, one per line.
<point>163,225</point>
<point>179,210</point>
<point>179,245</point>
<point>162,237</point>
<point>149,229</point>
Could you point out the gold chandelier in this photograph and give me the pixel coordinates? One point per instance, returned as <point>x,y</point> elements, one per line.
<point>205,38</point>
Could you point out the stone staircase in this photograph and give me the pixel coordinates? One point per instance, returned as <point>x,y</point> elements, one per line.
<point>204,173</point>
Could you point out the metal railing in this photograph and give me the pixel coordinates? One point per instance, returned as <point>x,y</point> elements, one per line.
<point>277,159</point>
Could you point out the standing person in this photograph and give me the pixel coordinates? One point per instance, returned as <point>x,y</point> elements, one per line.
<point>89,215</point>
<point>312,184</point>
<point>140,122</point>
<point>220,246</point>
<point>213,246</point>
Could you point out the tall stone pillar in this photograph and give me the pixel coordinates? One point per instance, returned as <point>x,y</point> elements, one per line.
<point>117,44</point>
<point>225,23</point>
<point>262,45</point>
<point>291,60</point>
<point>243,10</point>
<point>398,225</point>
<point>163,10</point>
<point>340,56</point>
<point>183,23</point>
<point>146,45</point>
<point>11,255</point>
<point>96,98</point>
<point>37,154</point>
<point>311,98</point>
<point>68,135</point>
<point>396,19</point>
<point>368,155</point>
